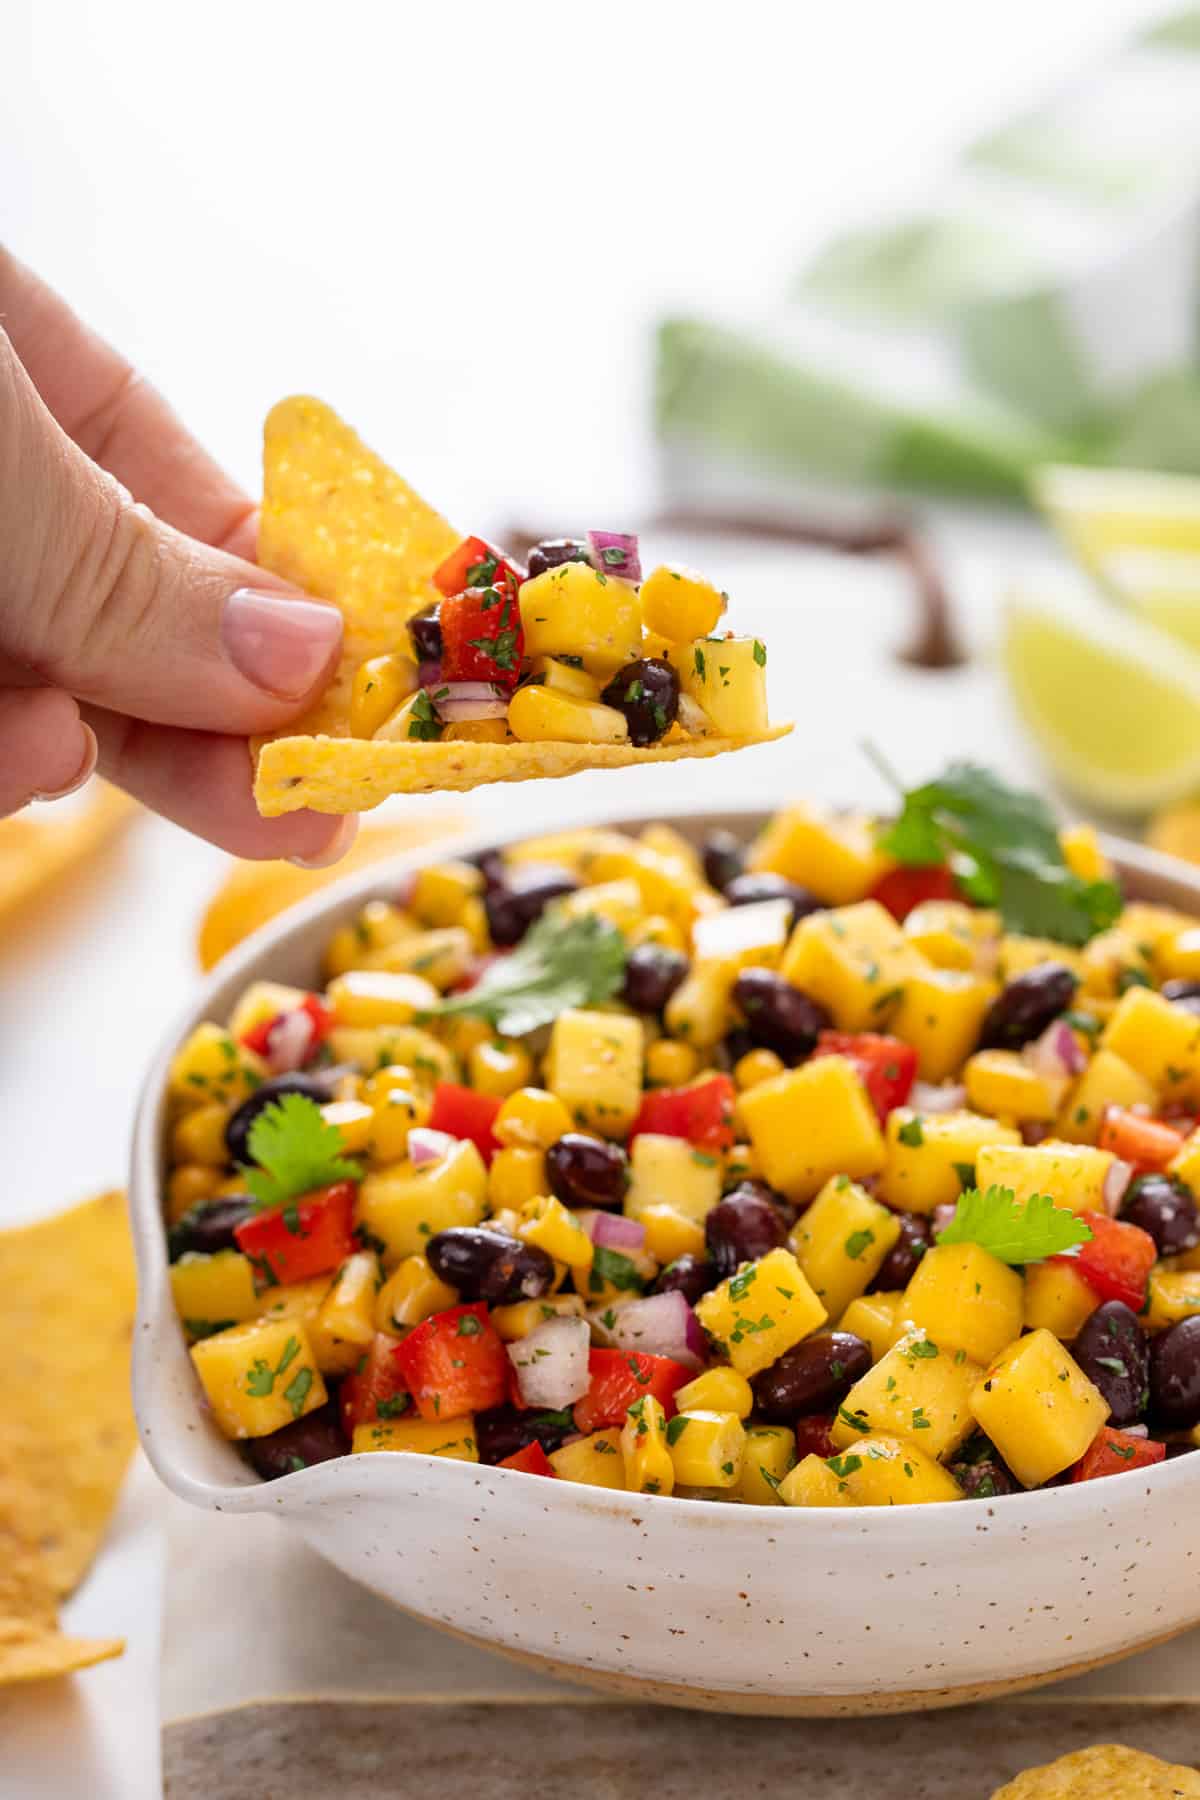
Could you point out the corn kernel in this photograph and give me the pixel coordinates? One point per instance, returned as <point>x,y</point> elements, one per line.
<point>380,684</point>
<point>199,1136</point>
<point>516,1176</point>
<point>353,1120</point>
<point>644,1452</point>
<point>707,1448</point>
<point>499,1068</point>
<point>462,1033</point>
<point>473,919</point>
<point>531,1117</point>
<point>345,1321</point>
<point>656,928</point>
<point>756,1066</point>
<point>393,1116</point>
<point>741,1163</point>
<point>547,1223</point>
<point>186,1185</point>
<point>411,1294</point>
<point>679,604</point>
<point>670,1063</point>
<point>717,1390</point>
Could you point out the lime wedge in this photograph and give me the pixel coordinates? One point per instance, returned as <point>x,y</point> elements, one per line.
<point>1099,511</point>
<point>1113,704</point>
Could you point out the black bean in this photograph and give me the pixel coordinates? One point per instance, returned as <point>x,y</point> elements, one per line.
<point>521,896</point>
<point>742,1227</point>
<point>1166,1210</point>
<point>1112,1351</point>
<point>1175,1376</point>
<point>900,1264</point>
<point>316,1438</point>
<point>486,1264</point>
<point>585,1171</point>
<point>646,692</point>
<point>1180,1447</point>
<point>1026,1005</point>
<point>985,1479</point>
<point>503,1430</point>
<point>724,858</point>
<point>552,553</point>
<point>209,1226</point>
<point>492,867</point>
<point>652,973</point>
<point>778,1016</point>
<point>815,1376</point>
<point>1183,993</point>
<point>318,1087</point>
<point>748,890</point>
<point>691,1276</point>
<point>425,630</point>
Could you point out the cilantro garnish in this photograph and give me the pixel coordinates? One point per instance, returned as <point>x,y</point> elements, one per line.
<point>613,1268</point>
<point>261,1377</point>
<point>296,1151</point>
<point>560,963</point>
<point>676,1427</point>
<point>423,722</point>
<point>1014,1231</point>
<point>1002,845</point>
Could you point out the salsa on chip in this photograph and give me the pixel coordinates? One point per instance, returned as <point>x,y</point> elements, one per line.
<point>462,665</point>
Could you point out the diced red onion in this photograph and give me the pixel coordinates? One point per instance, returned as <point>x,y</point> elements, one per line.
<point>426,1146</point>
<point>613,1231</point>
<point>661,1325</point>
<point>1056,1055</point>
<point>552,1363</point>
<point>455,701</point>
<point>945,1097</point>
<point>693,718</point>
<point>289,1041</point>
<point>429,673</point>
<point>943,1215</point>
<point>615,553</point>
<point>603,1322</point>
<point>1138,1431</point>
<point>1118,1178</point>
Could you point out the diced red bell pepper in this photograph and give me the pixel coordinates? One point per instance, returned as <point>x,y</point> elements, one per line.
<point>1146,1143</point>
<point>887,1066</point>
<point>532,1460</point>
<point>814,1435</point>
<point>1112,1452</point>
<point>454,1363</point>
<point>306,1237</point>
<point>482,637</point>
<point>476,563</point>
<point>464,1113</point>
<point>320,1022</point>
<point>900,890</point>
<point>1117,1261</point>
<point>703,1113</point>
<point>375,1390</point>
<point>619,1377</point>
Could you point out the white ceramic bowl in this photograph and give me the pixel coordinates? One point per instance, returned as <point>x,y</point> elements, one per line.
<point>757,1609</point>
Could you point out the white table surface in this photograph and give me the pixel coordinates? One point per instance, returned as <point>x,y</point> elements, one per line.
<point>256,199</point>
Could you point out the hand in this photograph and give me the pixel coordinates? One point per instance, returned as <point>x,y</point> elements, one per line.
<point>133,636</point>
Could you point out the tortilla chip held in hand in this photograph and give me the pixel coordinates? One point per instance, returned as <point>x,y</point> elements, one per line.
<point>461,665</point>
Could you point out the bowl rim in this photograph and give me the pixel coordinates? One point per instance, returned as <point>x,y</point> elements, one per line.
<point>156,1333</point>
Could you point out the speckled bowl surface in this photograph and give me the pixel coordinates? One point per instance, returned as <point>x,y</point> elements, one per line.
<point>756,1609</point>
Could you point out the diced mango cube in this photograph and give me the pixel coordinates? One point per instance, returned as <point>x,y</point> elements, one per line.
<point>920,1390</point>
<point>404,1207</point>
<point>516,1321</point>
<point>441,890</point>
<point>345,1321</point>
<point>840,1242</point>
<point>1112,961</point>
<point>213,1066</point>
<point>727,676</point>
<point>574,610</point>
<point>1020,954</point>
<point>595,1460</point>
<point>670,1232</point>
<point>1038,1407</point>
<point>855,961</point>
<point>259,1377</point>
<point>442,956</point>
<point>950,934</point>
<point>836,856</point>
<point>891,1471</point>
<point>813,1483</point>
<point>812,1123</point>
<point>1108,1080</point>
<point>672,1171</point>
<point>452,1438</point>
<point>1186,1165</point>
<point>769,1454</point>
<point>931,1157</point>
<point>594,1065</point>
<point>1002,1083</point>
<point>1174,1295</point>
<point>760,1312</point>
<point>875,1319</point>
<point>412,1293</point>
<point>1160,1040</point>
<point>966,1299</point>
<point>940,1014</point>
<point>1058,1299</point>
<point>376,997</point>
<point>700,1009</point>
<point>706,1448</point>
<point>1072,1174</point>
<point>213,1292</point>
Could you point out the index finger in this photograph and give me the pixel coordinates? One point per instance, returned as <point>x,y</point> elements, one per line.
<point>118,419</point>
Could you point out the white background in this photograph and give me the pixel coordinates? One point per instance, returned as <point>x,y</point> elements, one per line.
<point>456,222</point>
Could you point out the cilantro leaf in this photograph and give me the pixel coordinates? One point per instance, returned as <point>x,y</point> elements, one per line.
<point>295,1151</point>
<point>1003,846</point>
<point>1014,1231</point>
<point>561,962</point>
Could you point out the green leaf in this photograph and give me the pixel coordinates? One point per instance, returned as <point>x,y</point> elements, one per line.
<point>1014,1231</point>
<point>561,962</point>
<point>296,1151</point>
<point>1003,846</point>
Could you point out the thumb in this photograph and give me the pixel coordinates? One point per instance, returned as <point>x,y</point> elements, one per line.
<point>100,598</point>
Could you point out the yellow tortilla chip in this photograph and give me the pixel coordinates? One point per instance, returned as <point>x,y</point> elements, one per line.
<point>254,892</point>
<point>1102,1772</point>
<point>37,847</point>
<point>349,774</point>
<point>344,527</point>
<point>40,1654</point>
<point>341,524</point>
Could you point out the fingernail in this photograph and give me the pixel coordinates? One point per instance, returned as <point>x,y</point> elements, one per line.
<point>87,768</point>
<point>336,848</point>
<point>283,646</point>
